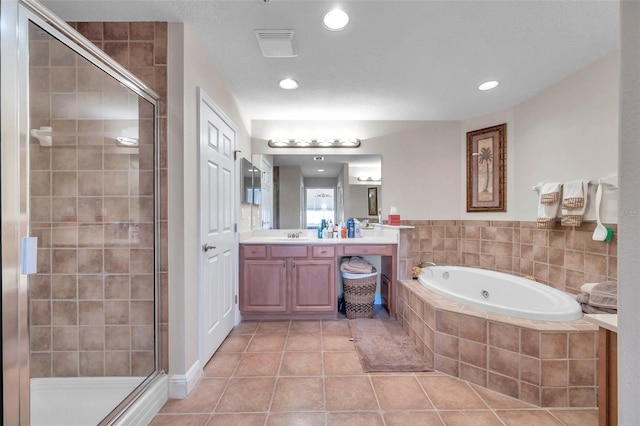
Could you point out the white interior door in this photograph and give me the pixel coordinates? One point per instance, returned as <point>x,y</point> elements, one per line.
<point>217,279</point>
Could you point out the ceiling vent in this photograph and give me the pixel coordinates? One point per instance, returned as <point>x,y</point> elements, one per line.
<point>276,43</point>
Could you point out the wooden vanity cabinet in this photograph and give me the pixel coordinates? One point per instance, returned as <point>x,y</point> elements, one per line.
<point>288,281</point>
<point>265,286</point>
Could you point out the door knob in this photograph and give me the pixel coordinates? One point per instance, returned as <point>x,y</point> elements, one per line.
<point>207,247</point>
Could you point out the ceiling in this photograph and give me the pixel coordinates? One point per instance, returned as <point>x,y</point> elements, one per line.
<point>396,60</point>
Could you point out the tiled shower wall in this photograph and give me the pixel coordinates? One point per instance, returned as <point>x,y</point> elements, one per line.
<point>564,258</point>
<point>92,208</point>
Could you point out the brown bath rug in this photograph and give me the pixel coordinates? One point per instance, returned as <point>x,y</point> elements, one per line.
<point>383,346</point>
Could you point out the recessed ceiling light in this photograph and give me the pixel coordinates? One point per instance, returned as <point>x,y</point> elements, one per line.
<point>288,84</point>
<point>488,85</point>
<point>321,170</point>
<point>335,19</point>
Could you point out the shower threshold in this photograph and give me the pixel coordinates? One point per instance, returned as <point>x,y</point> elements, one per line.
<point>77,401</point>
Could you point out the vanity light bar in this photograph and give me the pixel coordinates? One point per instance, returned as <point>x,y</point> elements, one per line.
<point>314,143</point>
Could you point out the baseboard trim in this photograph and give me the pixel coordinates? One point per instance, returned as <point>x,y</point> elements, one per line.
<point>180,385</point>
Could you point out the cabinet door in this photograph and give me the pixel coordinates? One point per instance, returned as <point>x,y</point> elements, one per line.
<point>313,286</point>
<point>263,287</point>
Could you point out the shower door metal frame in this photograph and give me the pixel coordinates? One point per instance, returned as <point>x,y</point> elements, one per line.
<point>14,193</point>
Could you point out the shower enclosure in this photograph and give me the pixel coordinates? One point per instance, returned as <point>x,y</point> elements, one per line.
<point>79,226</point>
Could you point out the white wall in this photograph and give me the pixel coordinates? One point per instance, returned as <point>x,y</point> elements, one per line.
<point>629,243</point>
<point>188,69</point>
<point>568,131</point>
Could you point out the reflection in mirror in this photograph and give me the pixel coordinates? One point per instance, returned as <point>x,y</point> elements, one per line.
<point>251,187</point>
<point>292,179</point>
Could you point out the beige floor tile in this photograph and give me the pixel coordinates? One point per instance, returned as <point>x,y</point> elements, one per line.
<point>448,393</point>
<point>341,364</point>
<point>298,394</point>
<point>202,399</point>
<point>400,393</point>
<point>222,364</point>
<point>574,417</point>
<point>247,395</point>
<point>475,418</point>
<point>303,343</point>
<point>235,343</point>
<point>337,342</point>
<point>273,327</point>
<point>240,419</point>
<point>301,364</point>
<point>308,373</point>
<point>305,327</point>
<point>246,327</point>
<point>180,420</point>
<point>296,419</point>
<point>408,418</point>
<point>267,343</point>
<point>349,394</point>
<point>336,327</point>
<point>354,419</point>
<point>527,417</point>
<point>497,400</point>
<point>258,364</point>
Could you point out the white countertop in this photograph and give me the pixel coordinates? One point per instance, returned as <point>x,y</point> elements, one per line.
<point>608,321</point>
<point>324,241</point>
<point>377,235</point>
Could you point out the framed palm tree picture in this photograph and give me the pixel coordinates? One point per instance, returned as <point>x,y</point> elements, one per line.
<point>486,169</point>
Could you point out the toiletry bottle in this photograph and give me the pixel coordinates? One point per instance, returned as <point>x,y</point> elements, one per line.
<point>344,231</point>
<point>320,231</point>
<point>335,232</point>
<point>351,231</point>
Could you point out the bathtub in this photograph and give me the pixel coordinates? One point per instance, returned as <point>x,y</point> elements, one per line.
<point>500,293</point>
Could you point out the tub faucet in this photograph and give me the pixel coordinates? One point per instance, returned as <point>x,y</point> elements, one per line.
<point>425,264</point>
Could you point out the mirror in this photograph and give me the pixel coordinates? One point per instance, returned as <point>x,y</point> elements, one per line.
<point>300,190</point>
<point>251,187</point>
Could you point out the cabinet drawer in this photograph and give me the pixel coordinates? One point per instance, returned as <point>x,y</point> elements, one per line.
<point>366,249</point>
<point>324,251</point>
<point>288,251</point>
<point>254,252</point>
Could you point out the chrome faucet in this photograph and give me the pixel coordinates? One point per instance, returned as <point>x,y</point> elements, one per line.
<point>293,234</point>
<point>425,264</point>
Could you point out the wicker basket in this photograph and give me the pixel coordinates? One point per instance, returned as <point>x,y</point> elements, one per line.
<point>359,294</point>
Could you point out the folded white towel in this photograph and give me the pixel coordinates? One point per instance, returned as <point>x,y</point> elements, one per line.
<point>587,287</point>
<point>574,201</point>
<point>550,192</point>
<point>548,205</point>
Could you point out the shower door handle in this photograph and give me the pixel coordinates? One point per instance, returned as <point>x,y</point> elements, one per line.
<point>28,255</point>
<point>207,247</point>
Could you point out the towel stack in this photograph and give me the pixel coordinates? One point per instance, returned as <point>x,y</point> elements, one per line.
<point>548,203</point>
<point>599,298</point>
<point>356,265</point>
<point>574,202</point>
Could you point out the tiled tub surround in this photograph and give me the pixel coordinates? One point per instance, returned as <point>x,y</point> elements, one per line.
<point>549,364</point>
<point>564,258</point>
<point>92,302</point>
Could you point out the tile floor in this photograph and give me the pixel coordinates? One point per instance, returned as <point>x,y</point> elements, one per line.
<point>308,373</point>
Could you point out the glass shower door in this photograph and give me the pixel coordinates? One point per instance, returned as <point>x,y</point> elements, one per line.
<point>91,198</point>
